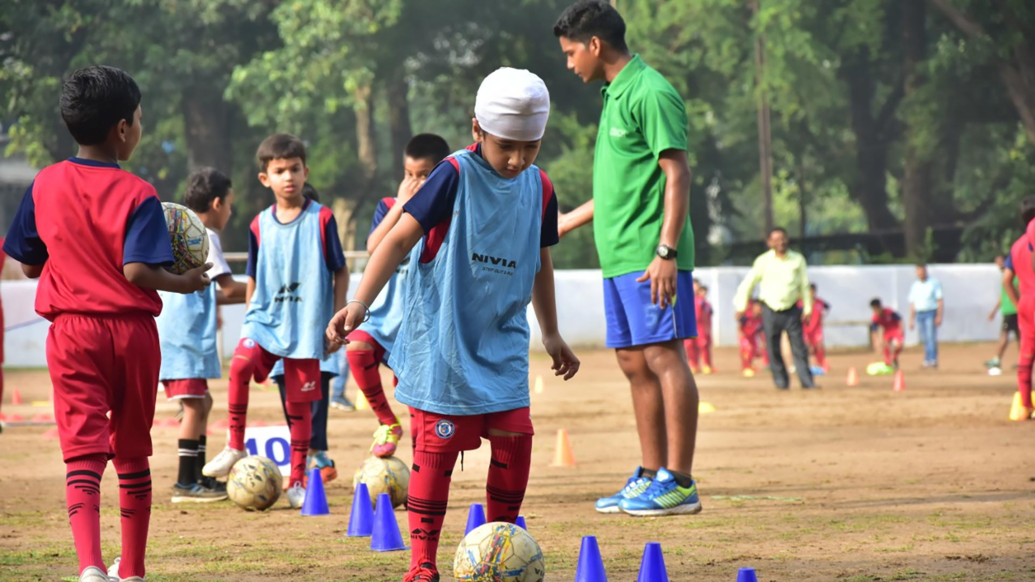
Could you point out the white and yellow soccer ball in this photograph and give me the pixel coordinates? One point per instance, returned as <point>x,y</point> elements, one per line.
<point>254,483</point>
<point>188,237</point>
<point>499,552</point>
<point>389,475</point>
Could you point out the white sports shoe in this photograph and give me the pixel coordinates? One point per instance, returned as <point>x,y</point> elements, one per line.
<point>296,495</point>
<point>224,461</point>
<point>113,574</point>
<point>93,574</point>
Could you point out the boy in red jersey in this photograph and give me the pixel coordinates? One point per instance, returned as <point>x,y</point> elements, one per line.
<point>96,237</point>
<point>893,339</point>
<point>700,347</point>
<point>813,329</point>
<point>1019,264</point>
<point>752,339</point>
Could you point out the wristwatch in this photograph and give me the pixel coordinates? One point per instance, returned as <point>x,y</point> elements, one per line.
<point>666,252</point>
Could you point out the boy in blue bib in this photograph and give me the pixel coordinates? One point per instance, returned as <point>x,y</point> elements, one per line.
<point>480,229</point>
<point>296,278</point>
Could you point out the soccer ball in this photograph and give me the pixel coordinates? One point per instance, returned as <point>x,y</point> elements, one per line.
<point>188,237</point>
<point>390,476</point>
<point>254,483</point>
<point>499,552</point>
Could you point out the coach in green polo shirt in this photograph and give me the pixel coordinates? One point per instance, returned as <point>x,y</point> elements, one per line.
<point>640,206</point>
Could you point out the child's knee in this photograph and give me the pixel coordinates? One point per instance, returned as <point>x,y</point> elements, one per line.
<point>241,368</point>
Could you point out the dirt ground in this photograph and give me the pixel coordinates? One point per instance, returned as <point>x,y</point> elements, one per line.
<point>848,484</point>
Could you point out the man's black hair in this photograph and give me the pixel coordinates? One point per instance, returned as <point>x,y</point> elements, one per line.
<point>205,185</point>
<point>279,146</point>
<point>427,146</point>
<point>95,98</point>
<point>875,303</point>
<point>779,229</point>
<point>1028,209</point>
<point>588,18</point>
<point>309,192</point>
<point>812,286</point>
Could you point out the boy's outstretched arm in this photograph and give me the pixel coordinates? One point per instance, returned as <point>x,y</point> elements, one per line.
<point>385,260</point>
<point>233,291</point>
<point>32,271</point>
<point>544,301</point>
<point>157,278</point>
<point>579,216</point>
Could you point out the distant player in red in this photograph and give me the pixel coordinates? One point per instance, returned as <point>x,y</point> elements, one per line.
<point>1019,264</point>
<point>893,339</point>
<point>700,347</point>
<point>96,238</point>
<point>752,339</point>
<point>813,329</point>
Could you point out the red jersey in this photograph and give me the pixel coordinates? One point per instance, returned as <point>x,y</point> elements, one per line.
<point>751,325</point>
<point>889,320</point>
<point>83,220</point>
<point>1019,262</point>
<point>814,323</point>
<point>703,310</point>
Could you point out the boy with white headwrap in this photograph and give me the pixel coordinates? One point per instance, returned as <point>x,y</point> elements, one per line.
<point>484,222</point>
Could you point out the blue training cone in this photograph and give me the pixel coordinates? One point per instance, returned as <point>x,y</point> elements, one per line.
<point>315,497</point>
<point>591,565</point>
<point>520,522</point>
<point>652,568</point>
<point>361,519</point>
<point>386,536</point>
<point>747,575</point>
<point>475,517</point>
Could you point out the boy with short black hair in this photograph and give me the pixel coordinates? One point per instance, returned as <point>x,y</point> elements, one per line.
<point>296,277</point>
<point>812,329</point>
<point>187,334</point>
<point>479,229</point>
<point>893,339</point>
<point>96,237</point>
<point>371,344</point>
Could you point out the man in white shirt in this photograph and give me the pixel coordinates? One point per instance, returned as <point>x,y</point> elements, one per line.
<point>926,307</point>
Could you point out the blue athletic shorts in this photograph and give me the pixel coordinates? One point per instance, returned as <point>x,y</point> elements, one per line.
<point>632,320</point>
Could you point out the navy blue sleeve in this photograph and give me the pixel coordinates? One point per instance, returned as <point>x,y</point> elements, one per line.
<point>147,236</point>
<point>895,316</point>
<point>253,253</point>
<point>549,235</point>
<point>23,242</point>
<point>874,326</point>
<point>332,246</point>
<point>434,202</point>
<point>379,214</point>
<point>1008,263</point>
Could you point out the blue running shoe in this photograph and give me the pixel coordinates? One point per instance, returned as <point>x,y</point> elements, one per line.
<point>636,485</point>
<point>663,497</point>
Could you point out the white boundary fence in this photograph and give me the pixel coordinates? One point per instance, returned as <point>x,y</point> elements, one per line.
<point>970,293</point>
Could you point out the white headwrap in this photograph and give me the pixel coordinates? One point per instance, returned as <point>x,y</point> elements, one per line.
<point>513,104</point>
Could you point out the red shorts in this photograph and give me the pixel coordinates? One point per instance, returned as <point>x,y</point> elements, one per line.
<point>100,365</point>
<point>443,433</point>
<point>813,337</point>
<point>301,377</point>
<point>191,388</point>
<point>895,336</point>
<point>362,336</point>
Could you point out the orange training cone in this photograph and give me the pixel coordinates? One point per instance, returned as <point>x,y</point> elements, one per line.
<point>563,456</point>
<point>16,396</point>
<point>853,377</point>
<point>900,382</point>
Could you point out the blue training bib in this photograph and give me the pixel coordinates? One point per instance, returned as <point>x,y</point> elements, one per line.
<point>462,347</point>
<point>187,335</point>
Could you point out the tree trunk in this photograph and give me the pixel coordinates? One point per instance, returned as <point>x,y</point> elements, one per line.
<point>399,120</point>
<point>365,142</point>
<point>916,183</point>
<point>207,121</point>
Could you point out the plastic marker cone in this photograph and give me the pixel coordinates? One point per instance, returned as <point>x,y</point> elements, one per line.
<point>591,565</point>
<point>705,408</point>
<point>652,568</point>
<point>853,377</point>
<point>51,434</point>
<point>1017,410</point>
<point>520,522</point>
<point>475,517</point>
<point>43,417</point>
<point>538,385</point>
<point>361,518</point>
<point>385,537</point>
<point>315,497</point>
<point>563,456</point>
<point>16,396</point>
<point>42,404</point>
<point>361,401</point>
<point>747,575</point>
<point>900,382</point>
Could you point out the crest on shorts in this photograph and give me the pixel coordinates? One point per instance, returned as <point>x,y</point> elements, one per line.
<point>445,429</point>
<point>249,343</point>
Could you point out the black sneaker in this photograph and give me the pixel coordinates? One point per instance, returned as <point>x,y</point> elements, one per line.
<point>195,493</point>
<point>211,483</point>
<point>426,572</point>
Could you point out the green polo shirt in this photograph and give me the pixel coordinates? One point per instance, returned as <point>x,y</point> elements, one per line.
<point>643,116</point>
